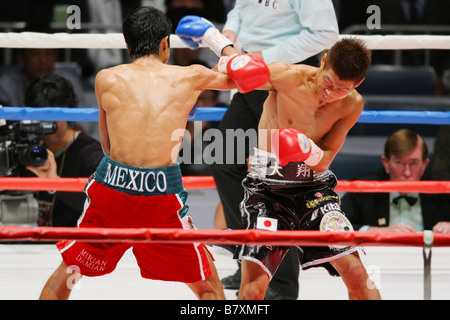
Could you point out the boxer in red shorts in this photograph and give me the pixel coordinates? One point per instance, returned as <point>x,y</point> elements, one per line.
<point>120,196</point>
<point>138,184</point>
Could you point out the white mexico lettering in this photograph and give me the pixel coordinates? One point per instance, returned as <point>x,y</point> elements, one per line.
<point>136,180</point>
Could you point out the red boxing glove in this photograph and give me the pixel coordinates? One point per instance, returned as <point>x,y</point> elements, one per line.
<point>291,145</point>
<point>248,71</point>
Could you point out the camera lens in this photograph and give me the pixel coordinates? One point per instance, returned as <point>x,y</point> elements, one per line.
<point>33,156</point>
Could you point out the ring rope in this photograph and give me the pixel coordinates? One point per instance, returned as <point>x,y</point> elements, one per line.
<point>231,237</point>
<point>116,41</point>
<point>207,182</point>
<point>216,114</point>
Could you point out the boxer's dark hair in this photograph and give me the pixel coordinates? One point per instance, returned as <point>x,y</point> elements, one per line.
<point>143,30</point>
<point>350,59</point>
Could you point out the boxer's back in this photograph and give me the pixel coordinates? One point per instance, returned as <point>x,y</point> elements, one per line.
<point>146,106</point>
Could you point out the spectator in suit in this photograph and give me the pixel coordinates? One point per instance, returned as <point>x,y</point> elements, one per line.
<point>405,159</point>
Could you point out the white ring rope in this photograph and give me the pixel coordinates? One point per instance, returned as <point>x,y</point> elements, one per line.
<point>116,41</point>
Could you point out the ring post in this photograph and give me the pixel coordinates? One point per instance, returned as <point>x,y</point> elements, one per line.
<point>428,243</point>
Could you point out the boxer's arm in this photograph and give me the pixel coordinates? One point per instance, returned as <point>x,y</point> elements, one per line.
<point>335,138</point>
<point>206,78</point>
<point>229,51</point>
<point>202,78</point>
<point>281,76</point>
<point>284,76</point>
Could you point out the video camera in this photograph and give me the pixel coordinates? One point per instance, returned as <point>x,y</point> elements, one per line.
<point>20,145</point>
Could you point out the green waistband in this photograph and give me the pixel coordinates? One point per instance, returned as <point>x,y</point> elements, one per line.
<point>139,181</point>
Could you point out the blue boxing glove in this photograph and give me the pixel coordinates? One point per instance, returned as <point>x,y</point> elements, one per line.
<point>191,29</point>
<point>195,30</point>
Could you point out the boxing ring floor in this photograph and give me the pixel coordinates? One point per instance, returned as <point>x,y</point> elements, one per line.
<point>397,271</point>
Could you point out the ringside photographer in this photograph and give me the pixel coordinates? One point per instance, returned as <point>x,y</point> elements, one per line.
<point>71,153</point>
<point>20,146</point>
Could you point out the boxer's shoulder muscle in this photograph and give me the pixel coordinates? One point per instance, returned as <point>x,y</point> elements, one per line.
<point>283,75</point>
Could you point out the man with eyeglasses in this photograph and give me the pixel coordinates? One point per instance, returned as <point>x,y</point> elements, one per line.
<point>405,159</point>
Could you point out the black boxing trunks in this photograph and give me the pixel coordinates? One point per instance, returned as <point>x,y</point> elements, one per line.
<point>292,197</point>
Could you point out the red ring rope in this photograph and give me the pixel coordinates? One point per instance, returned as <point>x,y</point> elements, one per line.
<point>287,238</point>
<point>207,182</point>
<point>279,238</point>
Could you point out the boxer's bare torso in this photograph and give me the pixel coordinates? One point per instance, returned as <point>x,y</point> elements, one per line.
<point>299,99</point>
<point>142,104</point>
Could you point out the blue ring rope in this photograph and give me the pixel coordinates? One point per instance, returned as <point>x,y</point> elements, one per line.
<point>216,114</point>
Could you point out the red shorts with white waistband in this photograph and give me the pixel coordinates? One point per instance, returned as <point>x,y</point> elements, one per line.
<point>109,208</point>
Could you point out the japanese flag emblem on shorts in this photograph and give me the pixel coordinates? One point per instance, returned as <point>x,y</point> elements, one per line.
<point>265,223</point>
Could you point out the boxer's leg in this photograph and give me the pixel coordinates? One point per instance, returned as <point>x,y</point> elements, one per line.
<point>254,281</point>
<point>60,284</point>
<point>211,288</point>
<point>355,277</point>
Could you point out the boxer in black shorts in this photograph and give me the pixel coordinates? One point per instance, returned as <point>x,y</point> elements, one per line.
<point>292,197</point>
<point>305,121</point>
<point>306,105</point>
